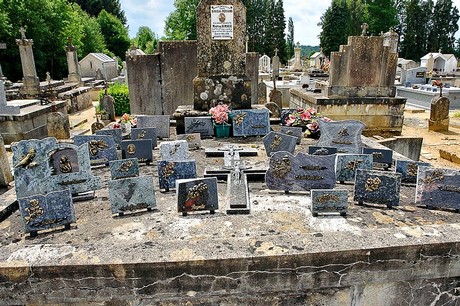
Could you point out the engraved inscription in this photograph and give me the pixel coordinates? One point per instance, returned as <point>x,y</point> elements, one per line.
<point>309,177</point>
<point>322,151</point>
<point>326,198</point>
<point>313,168</point>
<point>345,142</point>
<point>449,188</point>
<point>259,126</point>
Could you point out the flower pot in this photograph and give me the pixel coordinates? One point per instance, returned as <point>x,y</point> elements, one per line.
<point>222,130</point>
<point>125,128</point>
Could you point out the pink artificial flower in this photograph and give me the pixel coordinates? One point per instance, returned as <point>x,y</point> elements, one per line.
<point>305,116</point>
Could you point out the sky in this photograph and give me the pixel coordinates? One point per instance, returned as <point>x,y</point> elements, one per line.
<point>305,14</point>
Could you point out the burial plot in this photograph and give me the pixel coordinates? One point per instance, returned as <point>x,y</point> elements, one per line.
<point>381,158</point>
<point>145,133</point>
<point>347,164</point>
<point>193,140</point>
<point>276,142</point>
<point>197,195</point>
<point>115,133</point>
<point>202,125</point>
<point>408,170</point>
<point>251,122</point>
<point>438,188</point>
<point>42,212</point>
<point>160,122</point>
<point>171,171</point>
<point>301,172</point>
<point>315,150</point>
<point>292,131</point>
<point>343,135</point>
<point>174,150</point>
<point>327,201</point>
<point>238,191</point>
<point>379,187</point>
<point>102,148</point>
<point>140,149</point>
<point>124,168</point>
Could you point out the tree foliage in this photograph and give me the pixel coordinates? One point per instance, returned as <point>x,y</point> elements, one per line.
<point>145,40</point>
<point>115,34</point>
<point>290,45</point>
<point>181,23</point>
<point>334,23</point>
<point>445,18</point>
<point>381,16</point>
<point>94,7</point>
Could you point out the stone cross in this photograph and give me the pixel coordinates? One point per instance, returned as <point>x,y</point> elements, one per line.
<point>364,27</point>
<point>22,30</point>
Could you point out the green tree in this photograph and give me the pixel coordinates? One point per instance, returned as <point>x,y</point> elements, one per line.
<point>382,15</point>
<point>279,27</point>
<point>145,39</point>
<point>290,39</point>
<point>445,18</point>
<point>333,22</point>
<point>256,25</point>
<point>115,34</point>
<point>94,7</point>
<point>357,17</point>
<point>181,23</point>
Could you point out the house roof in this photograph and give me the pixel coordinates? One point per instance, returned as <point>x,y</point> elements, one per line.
<point>315,55</point>
<point>437,55</point>
<point>99,56</point>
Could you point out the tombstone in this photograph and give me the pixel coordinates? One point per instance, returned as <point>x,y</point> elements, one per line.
<point>347,164</point>
<point>408,170</point>
<point>381,158</point>
<point>301,172</point>
<point>297,62</point>
<point>193,140</point>
<point>5,172</point>
<point>273,108</point>
<point>96,126</point>
<point>171,171</point>
<point>379,187</point>
<point>102,148</point>
<point>4,108</point>
<point>107,108</point>
<point>327,201</point>
<point>41,212</point>
<point>413,76</point>
<point>99,75</point>
<point>160,122</point>
<point>174,150</point>
<point>316,150</point>
<point>202,125</point>
<point>344,135</point>
<point>30,81</point>
<point>140,149</point>
<point>145,133</point>
<point>197,195</point>
<point>276,142</point>
<point>238,190</point>
<point>58,125</point>
<point>251,122</point>
<point>72,62</point>
<point>115,133</point>
<point>439,115</point>
<point>262,99</point>
<point>124,168</point>
<point>438,188</point>
<point>295,131</point>
<point>276,97</point>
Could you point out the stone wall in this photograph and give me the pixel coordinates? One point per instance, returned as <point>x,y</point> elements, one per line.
<point>78,99</point>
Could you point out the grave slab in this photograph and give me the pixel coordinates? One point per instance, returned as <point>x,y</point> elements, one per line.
<point>124,168</point>
<point>160,122</point>
<point>344,135</point>
<point>382,158</point>
<point>379,187</point>
<point>201,125</point>
<point>174,150</point>
<point>145,133</point>
<point>438,188</point>
<point>171,171</point>
<point>238,193</point>
<point>408,170</point>
<point>140,149</point>
<point>292,131</point>
<point>193,140</point>
<point>251,122</point>
<point>132,194</point>
<point>276,142</point>
<point>102,148</point>
<point>197,195</point>
<point>347,164</point>
<point>326,201</point>
<point>115,133</point>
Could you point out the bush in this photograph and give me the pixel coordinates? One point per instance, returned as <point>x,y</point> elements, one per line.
<point>120,94</point>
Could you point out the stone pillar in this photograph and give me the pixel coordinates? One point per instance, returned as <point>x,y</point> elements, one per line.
<point>297,62</point>
<point>439,115</point>
<point>252,71</point>
<point>72,63</point>
<point>5,172</point>
<point>30,80</point>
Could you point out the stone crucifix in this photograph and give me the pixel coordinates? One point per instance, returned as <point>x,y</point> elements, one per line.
<point>22,30</point>
<point>364,27</point>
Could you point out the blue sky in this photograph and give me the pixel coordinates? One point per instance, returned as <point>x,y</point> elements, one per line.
<point>305,14</point>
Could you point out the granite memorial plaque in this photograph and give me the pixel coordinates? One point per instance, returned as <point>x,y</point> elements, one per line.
<point>325,201</point>
<point>295,131</point>
<point>145,133</point>
<point>301,172</point>
<point>197,195</point>
<point>132,194</point>
<point>124,168</point>
<point>276,142</point>
<point>382,158</point>
<point>171,171</point>
<point>202,125</point>
<point>315,150</point>
<point>41,212</point>
<point>174,150</point>
<point>251,122</point>
<point>115,133</point>
<point>408,170</point>
<point>102,148</point>
<point>437,187</point>
<point>140,149</point>
<point>378,187</point>
<point>344,135</point>
<point>347,164</point>
<point>160,122</point>
<point>193,140</point>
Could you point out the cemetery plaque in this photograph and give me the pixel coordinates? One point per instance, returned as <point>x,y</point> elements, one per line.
<point>276,142</point>
<point>41,212</point>
<point>160,122</point>
<point>115,133</point>
<point>131,194</point>
<point>381,158</point>
<point>344,135</point>
<point>124,168</point>
<point>325,201</point>
<point>193,140</point>
<point>295,131</point>
<point>197,195</point>
<point>438,187</point>
<point>238,192</point>
<point>145,133</point>
<point>251,122</point>
<point>58,125</point>
<point>378,187</point>
<point>301,172</point>
<point>222,22</point>
<point>347,164</point>
<point>202,125</point>
<point>102,148</point>
<point>64,161</point>
<point>408,170</point>
<point>171,171</point>
<point>174,150</point>
<point>140,149</point>
<point>315,150</point>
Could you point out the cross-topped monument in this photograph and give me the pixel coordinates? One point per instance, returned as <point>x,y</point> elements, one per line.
<point>364,27</point>
<point>72,62</point>
<point>30,81</point>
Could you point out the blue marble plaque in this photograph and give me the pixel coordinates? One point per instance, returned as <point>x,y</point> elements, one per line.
<point>193,140</point>
<point>201,125</point>
<point>132,194</point>
<point>295,131</point>
<point>102,148</point>
<point>380,187</point>
<point>160,122</point>
<point>197,195</point>
<point>174,150</point>
<point>145,133</point>
<point>324,201</point>
<point>40,212</point>
<point>124,168</point>
<point>276,142</point>
<point>301,172</point>
<point>315,150</point>
<point>344,135</point>
<point>380,156</point>
<point>171,171</point>
<point>251,122</point>
<point>408,170</point>
<point>437,187</point>
<point>347,164</point>
<point>115,133</point>
<point>140,149</point>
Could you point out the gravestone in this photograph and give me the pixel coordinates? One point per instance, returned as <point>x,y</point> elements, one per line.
<point>379,187</point>
<point>107,108</point>
<point>115,133</point>
<point>58,125</point>
<point>140,149</point>
<point>295,131</point>
<point>160,122</point>
<point>409,169</point>
<point>30,81</point>
<point>413,76</point>
<point>72,62</point>
<point>276,97</point>
<point>381,158</point>
<point>99,75</point>
<point>102,148</point>
<point>202,125</point>
<point>276,142</point>
<point>316,150</point>
<point>96,126</point>
<point>301,172</point>
<point>174,150</point>
<point>145,133</point>
<point>237,190</point>
<point>41,212</point>
<point>197,195</point>
<point>193,140</point>
<point>327,201</point>
<point>251,122</point>
<point>262,99</point>
<point>297,61</point>
<point>439,115</point>
<point>124,168</point>
<point>5,172</point>
<point>438,187</point>
<point>347,164</point>
<point>274,109</point>
<point>344,135</point>
<point>4,108</point>
<point>171,171</point>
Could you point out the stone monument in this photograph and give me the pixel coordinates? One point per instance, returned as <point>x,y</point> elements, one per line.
<point>30,80</point>
<point>297,62</point>
<point>4,108</point>
<point>439,115</point>
<point>72,62</point>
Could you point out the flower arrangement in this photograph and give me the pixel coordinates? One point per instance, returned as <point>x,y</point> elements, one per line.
<point>220,113</point>
<point>437,83</point>
<point>126,118</point>
<point>307,118</point>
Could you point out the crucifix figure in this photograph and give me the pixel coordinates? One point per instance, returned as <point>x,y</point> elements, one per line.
<point>22,30</point>
<point>364,27</point>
